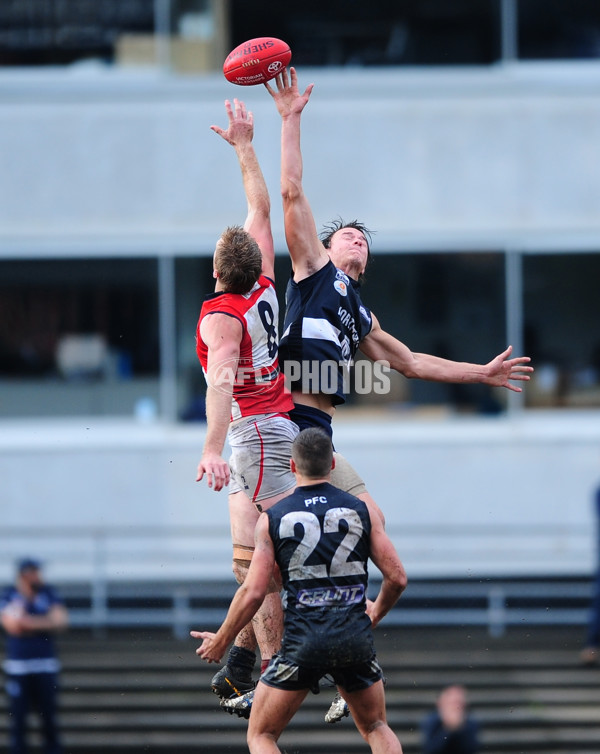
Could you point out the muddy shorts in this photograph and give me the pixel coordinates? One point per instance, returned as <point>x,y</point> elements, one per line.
<point>261,448</point>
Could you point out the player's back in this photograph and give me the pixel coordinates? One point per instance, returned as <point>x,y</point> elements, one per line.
<point>321,539</point>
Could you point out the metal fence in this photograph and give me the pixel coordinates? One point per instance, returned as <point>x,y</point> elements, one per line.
<point>180,577</point>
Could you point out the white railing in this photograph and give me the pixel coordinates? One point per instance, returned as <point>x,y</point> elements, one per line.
<point>180,577</point>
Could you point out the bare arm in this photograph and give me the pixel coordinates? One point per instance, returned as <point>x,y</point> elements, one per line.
<point>384,555</point>
<point>306,250</point>
<point>381,346</point>
<point>222,335</point>
<point>258,220</point>
<point>246,600</point>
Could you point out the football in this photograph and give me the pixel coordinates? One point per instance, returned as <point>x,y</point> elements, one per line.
<point>256,61</point>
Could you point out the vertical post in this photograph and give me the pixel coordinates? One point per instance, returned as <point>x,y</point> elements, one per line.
<point>509,31</point>
<point>167,338</point>
<point>496,612</point>
<point>162,33</point>
<point>513,265</point>
<point>181,613</point>
<point>99,606</point>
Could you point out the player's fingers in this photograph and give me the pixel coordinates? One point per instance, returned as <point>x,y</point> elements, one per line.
<point>280,80</point>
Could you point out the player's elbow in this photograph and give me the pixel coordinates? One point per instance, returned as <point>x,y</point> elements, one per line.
<point>291,191</point>
<point>253,596</point>
<point>399,581</point>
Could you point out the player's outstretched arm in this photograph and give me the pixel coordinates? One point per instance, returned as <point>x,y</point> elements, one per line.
<point>239,134</point>
<point>306,250</point>
<point>222,335</point>
<point>381,346</point>
<point>246,600</point>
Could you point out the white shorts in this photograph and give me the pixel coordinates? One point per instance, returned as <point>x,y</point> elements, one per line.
<point>261,448</point>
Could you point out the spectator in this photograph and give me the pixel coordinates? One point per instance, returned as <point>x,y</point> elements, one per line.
<point>450,729</point>
<point>31,611</point>
<point>589,654</point>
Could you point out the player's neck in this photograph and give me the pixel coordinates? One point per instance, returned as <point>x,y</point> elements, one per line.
<point>352,270</point>
<point>304,481</point>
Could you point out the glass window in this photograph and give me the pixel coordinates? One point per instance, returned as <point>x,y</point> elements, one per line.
<point>54,32</point>
<point>562,331</point>
<point>78,337</point>
<point>193,281</point>
<point>380,32</point>
<point>554,29</point>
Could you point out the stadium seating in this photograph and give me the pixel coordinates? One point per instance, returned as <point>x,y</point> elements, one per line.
<point>137,690</point>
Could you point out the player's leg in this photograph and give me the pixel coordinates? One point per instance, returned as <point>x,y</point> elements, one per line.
<point>368,711</point>
<point>259,463</point>
<point>271,712</point>
<point>235,677</point>
<point>346,478</point>
<point>267,624</point>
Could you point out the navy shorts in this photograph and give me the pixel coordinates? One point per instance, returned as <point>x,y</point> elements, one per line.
<point>307,416</point>
<point>285,674</point>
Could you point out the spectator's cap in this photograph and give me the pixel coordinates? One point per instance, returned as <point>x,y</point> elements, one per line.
<point>28,564</point>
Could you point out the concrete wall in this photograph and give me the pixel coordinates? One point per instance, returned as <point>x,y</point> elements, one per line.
<point>462,497</point>
<point>97,161</point>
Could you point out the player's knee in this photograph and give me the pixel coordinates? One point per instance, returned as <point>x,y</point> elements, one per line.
<point>240,571</point>
<point>373,727</point>
<point>242,555</point>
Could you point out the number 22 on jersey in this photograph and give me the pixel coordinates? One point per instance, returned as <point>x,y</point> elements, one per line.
<point>340,565</point>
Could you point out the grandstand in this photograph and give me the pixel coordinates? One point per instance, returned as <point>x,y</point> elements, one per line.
<point>465,135</point>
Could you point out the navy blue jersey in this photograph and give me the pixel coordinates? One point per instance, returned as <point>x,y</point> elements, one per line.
<point>34,652</point>
<point>325,320</point>
<point>321,539</point>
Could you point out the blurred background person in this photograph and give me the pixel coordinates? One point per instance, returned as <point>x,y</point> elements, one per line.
<point>31,612</point>
<point>450,729</point>
<point>589,654</point>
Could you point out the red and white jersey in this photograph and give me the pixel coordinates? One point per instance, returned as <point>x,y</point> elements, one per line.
<point>258,384</point>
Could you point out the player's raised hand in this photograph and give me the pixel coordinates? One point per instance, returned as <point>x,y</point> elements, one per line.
<point>502,369</point>
<point>241,124</point>
<point>287,96</point>
<point>216,470</point>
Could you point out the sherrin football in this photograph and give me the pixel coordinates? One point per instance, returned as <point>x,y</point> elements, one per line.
<point>256,61</point>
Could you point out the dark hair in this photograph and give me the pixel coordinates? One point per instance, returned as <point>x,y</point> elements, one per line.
<point>330,228</point>
<point>238,260</point>
<point>312,452</point>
